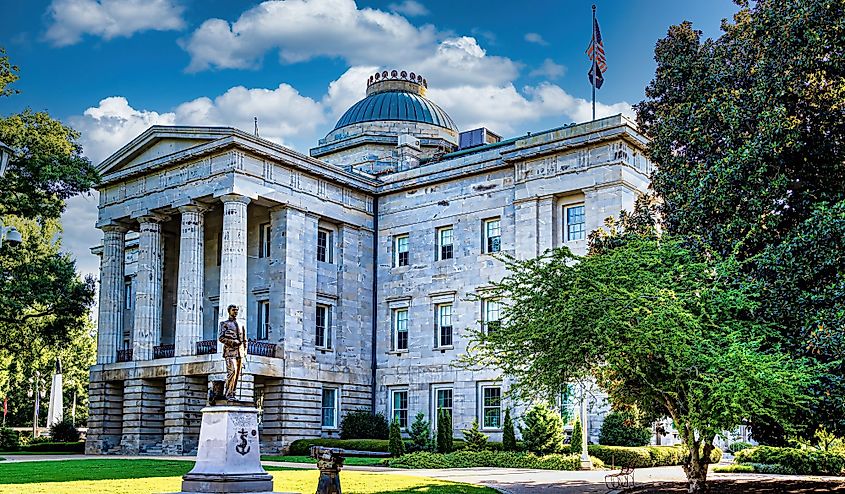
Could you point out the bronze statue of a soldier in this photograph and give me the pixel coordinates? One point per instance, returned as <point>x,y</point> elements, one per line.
<point>234,342</point>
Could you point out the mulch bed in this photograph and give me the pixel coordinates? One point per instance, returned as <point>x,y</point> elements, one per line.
<point>746,486</point>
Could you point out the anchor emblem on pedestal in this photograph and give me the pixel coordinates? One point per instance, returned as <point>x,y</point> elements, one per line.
<point>242,447</point>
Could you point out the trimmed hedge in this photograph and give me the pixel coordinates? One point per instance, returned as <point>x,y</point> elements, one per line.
<point>738,446</point>
<point>501,459</point>
<point>54,447</point>
<point>799,461</point>
<point>301,447</point>
<point>755,468</point>
<point>646,456</point>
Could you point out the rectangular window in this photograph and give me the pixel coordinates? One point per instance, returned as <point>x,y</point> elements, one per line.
<point>575,224</point>
<point>443,313</point>
<point>400,329</point>
<point>400,408</point>
<point>324,327</point>
<point>264,240</point>
<point>263,331</point>
<point>400,251</point>
<point>329,408</point>
<point>492,236</point>
<point>442,400</point>
<point>491,407</point>
<point>325,252</point>
<point>490,315</point>
<point>445,243</point>
<point>128,299</point>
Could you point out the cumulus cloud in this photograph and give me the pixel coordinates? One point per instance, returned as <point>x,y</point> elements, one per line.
<point>535,38</point>
<point>304,29</point>
<point>549,69</point>
<point>505,109</point>
<point>71,19</point>
<point>410,8</point>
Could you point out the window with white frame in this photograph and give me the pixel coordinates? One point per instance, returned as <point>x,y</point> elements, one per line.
<point>575,222</point>
<point>325,250</point>
<point>443,316</point>
<point>490,315</point>
<point>263,330</point>
<point>400,251</point>
<point>491,407</point>
<point>444,248</point>
<point>128,298</point>
<point>442,401</point>
<point>264,240</point>
<point>323,331</point>
<point>492,235</point>
<point>330,408</point>
<point>399,410</point>
<point>400,329</point>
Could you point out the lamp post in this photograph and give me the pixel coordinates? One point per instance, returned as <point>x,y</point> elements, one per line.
<point>5,156</point>
<point>10,234</point>
<point>586,462</point>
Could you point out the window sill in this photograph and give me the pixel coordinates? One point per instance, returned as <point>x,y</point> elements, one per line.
<point>491,430</point>
<point>324,350</point>
<point>396,352</point>
<point>443,348</point>
<point>329,429</point>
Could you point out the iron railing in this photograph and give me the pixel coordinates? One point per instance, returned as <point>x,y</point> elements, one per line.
<point>261,348</point>
<point>163,351</point>
<point>206,347</point>
<point>124,355</point>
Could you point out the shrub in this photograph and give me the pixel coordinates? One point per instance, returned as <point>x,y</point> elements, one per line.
<point>301,447</point>
<point>508,433</point>
<point>445,441</point>
<point>420,434</point>
<point>40,447</point>
<point>646,456</point>
<point>64,432</point>
<point>575,439</point>
<point>361,424</point>
<point>396,446</point>
<point>543,431</point>
<point>622,428</point>
<point>739,446</point>
<point>734,469</point>
<point>801,461</point>
<point>10,440</point>
<point>495,459</point>
<point>474,438</point>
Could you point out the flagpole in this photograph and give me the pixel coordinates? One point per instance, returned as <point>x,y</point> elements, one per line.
<point>593,29</point>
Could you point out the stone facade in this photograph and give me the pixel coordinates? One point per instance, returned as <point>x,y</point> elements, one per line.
<point>343,281</point>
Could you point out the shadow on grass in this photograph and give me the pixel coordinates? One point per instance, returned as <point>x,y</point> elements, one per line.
<point>35,472</point>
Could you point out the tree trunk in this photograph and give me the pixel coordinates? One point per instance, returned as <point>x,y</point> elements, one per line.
<point>696,476</point>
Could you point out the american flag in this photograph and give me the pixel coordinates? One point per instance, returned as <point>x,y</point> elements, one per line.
<point>596,49</point>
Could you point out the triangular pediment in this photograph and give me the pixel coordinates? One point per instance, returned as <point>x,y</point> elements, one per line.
<point>159,141</point>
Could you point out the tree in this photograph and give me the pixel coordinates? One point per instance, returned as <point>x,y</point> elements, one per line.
<point>543,430</point>
<point>445,441</point>
<point>474,438</point>
<point>420,434</point>
<point>624,428</point>
<point>508,433</point>
<point>752,122</point>
<point>575,440</point>
<point>659,322</point>
<point>362,424</point>
<point>395,445</point>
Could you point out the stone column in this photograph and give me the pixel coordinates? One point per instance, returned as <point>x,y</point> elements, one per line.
<point>545,224</point>
<point>110,320</point>
<point>233,257</point>
<point>148,291</point>
<point>189,295</point>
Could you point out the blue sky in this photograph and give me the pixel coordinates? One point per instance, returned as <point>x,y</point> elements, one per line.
<point>111,68</point>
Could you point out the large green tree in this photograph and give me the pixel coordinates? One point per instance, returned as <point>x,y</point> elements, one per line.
<point>659,322</point>
<point>748,134</point>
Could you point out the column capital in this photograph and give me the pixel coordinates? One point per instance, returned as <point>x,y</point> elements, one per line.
<point>192,208</point>
<point>235,198</point>
<point>152,218</point>
<point>114,227</point>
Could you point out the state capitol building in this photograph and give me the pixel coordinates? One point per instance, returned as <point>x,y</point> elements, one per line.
<point>358,269</point>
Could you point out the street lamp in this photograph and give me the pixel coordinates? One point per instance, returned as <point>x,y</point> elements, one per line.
<point>5,156</point>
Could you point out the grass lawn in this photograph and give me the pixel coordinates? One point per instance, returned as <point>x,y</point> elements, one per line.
<point>367,462</point>
<point>120,476</point>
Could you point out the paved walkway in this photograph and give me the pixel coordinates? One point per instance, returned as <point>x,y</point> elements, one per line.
<point>506,480</point>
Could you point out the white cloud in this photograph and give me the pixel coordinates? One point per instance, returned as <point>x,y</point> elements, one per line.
<point>505,109</point>
<point>71,19</point>
<point>549,69</point>
<point>535,38</point>
<point>411,8</point>
<point>346,90</point>
<point>304,29</point>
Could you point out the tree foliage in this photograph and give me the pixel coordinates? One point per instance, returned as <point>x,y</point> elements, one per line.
<point>748,134</point>
<point>363,424</point>
<point>445,441</point>
<point>475,439</point>
<point>396,446</point>
<point>576,438</point>
<point>543,430</point>
<point>420,434</point>
<point>624,428</point>
<point>508,433</point>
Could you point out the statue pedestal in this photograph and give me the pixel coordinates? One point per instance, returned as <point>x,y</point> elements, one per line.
<point>228,457</point>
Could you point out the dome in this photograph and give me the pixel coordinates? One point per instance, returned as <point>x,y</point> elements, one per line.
<point>397,105</point>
